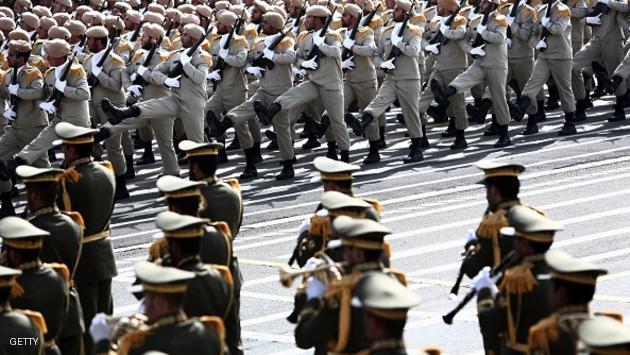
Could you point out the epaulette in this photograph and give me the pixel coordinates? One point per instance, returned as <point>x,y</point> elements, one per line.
<point>388,27</point>
<point>475,21</point>
<point>214,323</point>
<point>166,56</point>
<point>137,55</point>
<point>77,71</point>
<point>500,20</point>
<point>234,184</point>
<point>124,46</point>
<point>132,340</point>
<point>205,45</point>
<point>416,29</point>
<point>543,333</point>
<point>364,32</point>
<point>430,12</point>
<point>458,21</point>
<point>287,42</point>
<point>107,164</point>
<point>375,204</point>
<point>158,249</point>
<point>464,10</point>
<point>239,42</point>
<point>212,37</point>
<point>224,271</point>
<point>491,224</point>
<point>334,35</point>
<point>37,61</point>
<point>433,25</point>
<point>175,43</point>
<point>222,227</point>
<point>335,24</point>
<point>76,217</point>
<point>60,269</point>
<point>50,70</point>
<point>165,42</point>
<point>250,32</point>
<point>115,59</point>
<point>505,8</point>
<point>375,23</point>
<point>400,275</point>
<point>319,225</point>
<point>301,36</point>
<point>206,58</point>
<point>519,279</point>
<point>530,10</point>
<point>37,319</point>
<point>418,19</point>
<point>563,10</point>
<point>3,75</point>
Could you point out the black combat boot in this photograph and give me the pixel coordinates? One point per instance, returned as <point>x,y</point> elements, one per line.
<point>381,137</point>
<point>438,113</point>
<point>478,113</point>
<point>7,205</point>
<point>424,141</point>
<point>620,110</point>
<point>460,140</point>
<point>373,156</point>
<point>580,111</point>
<point>222,157</point>
<point>519,108</point>
<point>116,115</point>
<point>504,137</point>
<point>287,170</point>
<point>552,100</point>
<point>532,125</point>
<point>450,130</point>
<point>266,115</point>
<point>603,80</point>
<point>569,127</point>
<point>344,156</point>
<point>415,153</point>
<point>541,116</point>
<point>220,126</point>
<point>257,154</point>
<point>493,129</point>
<point>273,140</point>
<point>311,142</point>
<point>121,188</point>
<point>332,151</point>
<point>250,171</point>
<point>234,145</point>
<point>130,173</point>
<point>147,156</point>
<point>616,81</point>
<point>359,125</point>
<point>320,128</point>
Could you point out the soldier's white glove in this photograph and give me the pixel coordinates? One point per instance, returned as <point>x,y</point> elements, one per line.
<point>312,263</point>
<point>389,65</point>
<point>298,72</point>
<point>78,48</point>
<point>13,89</point>
<point>470,236</point>
<point>100,329</point>
<point>541,44</point>
<point>397,41</point>
<point>432,48</point>
<point>310,64</point>
<point>483,280</point>
<point>348,64</point>
<point>48,107</point>
<point>184,58</point>
<point>471,14</point>
<point>214,75</point>
<point>481,28</point>
<point>141,70</point>
<point>135,90</point>
<point>444,27</point>
<point>594,20</point>
<point>478,51</point>
<point>268,53</point>
<point>61,85</point>
<point>510,20</point>
<point>173,82</point>
<point>255,71</point>
<point>545,22</point>
<point>315,288</point>
<point>223,53</point>
<point>317,39</point>
<point>96,70</point>
<point>348,43</point>
<point>9,114</point>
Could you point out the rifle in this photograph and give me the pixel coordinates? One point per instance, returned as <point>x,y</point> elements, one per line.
<point>57,95</point>
<point>239,23</point>
<point>322,33</point>
<point>14,80</point>
<point>34,37</point>
<point>179,68</point>
<point>264,62</point>
<point>512,15</point>
<point>395,52</point>
<point>479,41</point>
<point>367,19</point>
<point>139,80</point>
<point>93,80</point>
<point>460,276</point>
<point>296,22</point>
<point>220,62</point>
<point>504,264</point>
<point>133,39</point>
<point>545,31</point>
<point>347,53</point>
<point>439,38</point>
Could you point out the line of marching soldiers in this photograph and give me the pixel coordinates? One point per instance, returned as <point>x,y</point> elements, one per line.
<point>531,299</point>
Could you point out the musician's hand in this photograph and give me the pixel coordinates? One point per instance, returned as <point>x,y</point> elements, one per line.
<point>317,39</point>
<point>9,114</point>
<point>432,48</point>
<point>100,329</point>
<point>312,263</point>
<point>310,64</point>
<point>135,90</point>
<point>478,51</point>
<point>541,44</point>
<point>13,89</point>
<point>173,82</point>
<point>256,71</point>
<point>315,288</point>
<point>223,53</point>
<point>214,75</point>
<point>483,280</point>
<point>594,20</point>
<point>268,53</point>
<point>184,58</point>
<point>481,28</point>
<point>48,107</point>
<point>470,236</point>
<point>348,64</point>
<point>388,65</point>
<point>348,43</point>
<point>61,85</point>
<point>141,70</point>
<point>545,22</point>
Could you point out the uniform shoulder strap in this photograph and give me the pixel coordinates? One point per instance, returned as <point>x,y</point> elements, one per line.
<point>400,275</point>
<point>37,319</point>
<point>61,269</point>
<point>519,279</point>
<point>76,217</point>
<point>222,227</point>
<point>234,184</point>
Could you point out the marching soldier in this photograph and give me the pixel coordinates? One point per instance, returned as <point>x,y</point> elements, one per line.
<point>398,55</point>
<point>188,89</point>
<point>168,328</point>
<point>603,335</point>
<point>573,284</point>
<point>524,298</point>
<point>107,80</point>
<point>62,246</point>
<point>275,79</point>
<point>22,242</point>
<point>18,323</point>
<point>87,181</point>
<point>319,54</point>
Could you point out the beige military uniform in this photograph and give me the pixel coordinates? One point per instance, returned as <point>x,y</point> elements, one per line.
<point>521,50</point>
<point>325,83</point>
<point>274,83</point>
<point>403,82</point>
<point>73,108</point>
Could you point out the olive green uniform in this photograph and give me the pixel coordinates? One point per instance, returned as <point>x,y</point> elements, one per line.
<point>15,324</point>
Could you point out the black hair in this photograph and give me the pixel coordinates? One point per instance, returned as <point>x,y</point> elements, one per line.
<point>47,191</point>
<point>508,186</point>
<point>188,205</point>
<point>540,247</point>
<point>187,246</point>
<point>577,293</point>
<point>206,163</point>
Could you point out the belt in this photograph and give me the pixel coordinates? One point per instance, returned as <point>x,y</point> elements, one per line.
<point>94,237</point>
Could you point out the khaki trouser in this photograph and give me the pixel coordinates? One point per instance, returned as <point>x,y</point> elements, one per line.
<point>333,104</point>
<point>11,142</point>
<point>608,54</point>
<point>281,125</point>
<point>222,102</point>
<point>169,107</point>
<point>44,140</point>
<point>495,78</point>
<point>113,143</point>
<point>560,70</point>
<point>408,94</point>
<point>364,93</point>
<point>520,70</point>
<point>457,102</point>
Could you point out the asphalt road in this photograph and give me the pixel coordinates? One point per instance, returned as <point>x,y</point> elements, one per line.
<point>581,181</point>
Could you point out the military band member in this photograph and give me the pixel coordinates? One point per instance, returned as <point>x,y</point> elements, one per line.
<point>22,243</point>
<point>604,335</point>
<point>62,246</point>
<point>18,323</point>
<point>168,329</point>
<point>573,285</point>
<point>524,297</point>
<point>87,181</point>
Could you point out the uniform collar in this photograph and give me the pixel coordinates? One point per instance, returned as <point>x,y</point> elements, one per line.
<point>45,210</point>
<point>81,161</point>
<point>29,265</point>
<point>168,320</point>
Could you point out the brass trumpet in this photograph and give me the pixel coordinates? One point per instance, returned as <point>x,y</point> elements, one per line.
<point>126,324</point>
<point>326,272</point>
